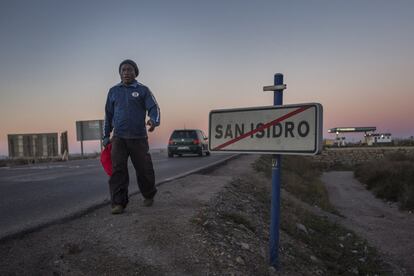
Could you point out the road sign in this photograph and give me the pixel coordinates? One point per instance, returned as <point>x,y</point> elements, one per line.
<point>89,130</point>
<point>286,129</point>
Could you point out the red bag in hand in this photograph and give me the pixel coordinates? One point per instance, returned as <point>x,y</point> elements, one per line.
<point>106,159</point>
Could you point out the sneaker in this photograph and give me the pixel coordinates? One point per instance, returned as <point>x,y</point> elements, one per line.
<point>117,209</point>
<point>148,202</point>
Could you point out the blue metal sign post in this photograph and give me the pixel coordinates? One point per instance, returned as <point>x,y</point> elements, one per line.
<point>276,166</point>
<point>307,142</point>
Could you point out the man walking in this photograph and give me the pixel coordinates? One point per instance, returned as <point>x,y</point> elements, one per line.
<point>127,106</point>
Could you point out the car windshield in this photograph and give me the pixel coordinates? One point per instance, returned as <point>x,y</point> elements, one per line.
<point>184,134</point>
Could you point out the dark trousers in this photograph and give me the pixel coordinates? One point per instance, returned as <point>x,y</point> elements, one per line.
<point>138,150</point>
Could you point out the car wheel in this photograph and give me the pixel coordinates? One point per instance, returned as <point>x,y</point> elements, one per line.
<point>170,154</point>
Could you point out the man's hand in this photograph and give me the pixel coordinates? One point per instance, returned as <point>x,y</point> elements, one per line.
<point>151,125</point>
<point>106,141</point>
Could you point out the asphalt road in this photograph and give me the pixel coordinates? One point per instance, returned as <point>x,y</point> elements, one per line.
<point>35,195</point>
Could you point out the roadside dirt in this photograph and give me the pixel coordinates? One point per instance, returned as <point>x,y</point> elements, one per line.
<point>157,240</point>
<point>390,230</point>
<point>215,223</point>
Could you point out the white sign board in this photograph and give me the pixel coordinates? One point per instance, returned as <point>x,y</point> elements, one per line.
<point>286,129</point>
<point>89,130</point>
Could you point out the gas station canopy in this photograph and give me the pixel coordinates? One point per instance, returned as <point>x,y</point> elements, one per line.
<point>351,129</point>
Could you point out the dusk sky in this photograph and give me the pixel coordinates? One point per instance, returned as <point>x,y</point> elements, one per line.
<point>58,60</point>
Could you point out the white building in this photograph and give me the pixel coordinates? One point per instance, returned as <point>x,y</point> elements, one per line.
<point>378,138</point>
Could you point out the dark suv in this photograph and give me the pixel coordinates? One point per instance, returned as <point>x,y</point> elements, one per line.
<point>184,141</point>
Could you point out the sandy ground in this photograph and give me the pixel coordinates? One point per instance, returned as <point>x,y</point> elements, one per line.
<point>390,230</point>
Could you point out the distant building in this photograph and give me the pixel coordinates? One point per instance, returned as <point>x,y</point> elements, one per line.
<point>328,142</point>
<point>33,145</point>
<point>378,138</point>
<point>340,141</point>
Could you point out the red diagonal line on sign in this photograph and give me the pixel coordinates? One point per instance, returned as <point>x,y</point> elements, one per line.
<point>265,126</point>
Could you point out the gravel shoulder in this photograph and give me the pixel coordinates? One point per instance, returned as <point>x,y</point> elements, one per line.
<point>158,240</point>
<point>384,226</point>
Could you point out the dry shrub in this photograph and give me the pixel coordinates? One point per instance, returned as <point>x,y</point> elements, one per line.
<point>300,176</point>
<point>391,179</point>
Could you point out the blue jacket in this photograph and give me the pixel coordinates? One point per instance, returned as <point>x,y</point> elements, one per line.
<point>126,109</point>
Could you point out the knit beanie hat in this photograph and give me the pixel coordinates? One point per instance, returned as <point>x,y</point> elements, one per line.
<point>132,63</point>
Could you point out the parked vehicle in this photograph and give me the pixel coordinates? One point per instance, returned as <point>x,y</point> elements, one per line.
<point>187,141</point>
